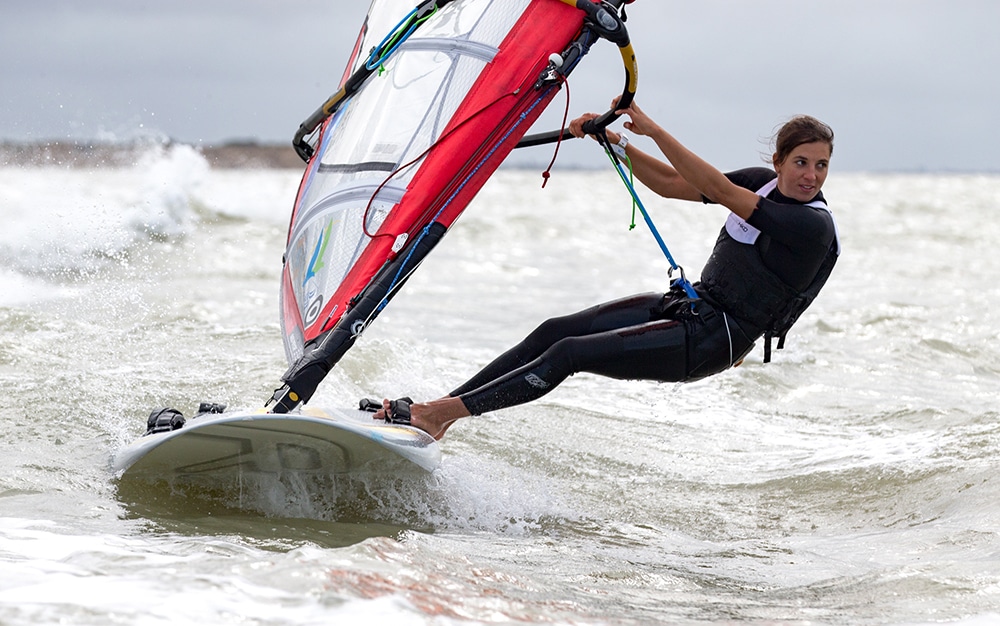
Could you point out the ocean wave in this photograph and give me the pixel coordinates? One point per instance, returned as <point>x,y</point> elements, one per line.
<point>62,222</point>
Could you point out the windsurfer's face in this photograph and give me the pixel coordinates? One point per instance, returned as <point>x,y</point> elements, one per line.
<point>802,174</point>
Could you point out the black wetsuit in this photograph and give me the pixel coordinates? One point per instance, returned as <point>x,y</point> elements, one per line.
<point>662,337</point>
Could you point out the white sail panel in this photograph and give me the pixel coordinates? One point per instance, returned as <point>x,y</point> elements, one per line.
<point>400,112</point>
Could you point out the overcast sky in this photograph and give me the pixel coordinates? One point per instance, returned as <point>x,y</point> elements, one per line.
<point>906,84</point>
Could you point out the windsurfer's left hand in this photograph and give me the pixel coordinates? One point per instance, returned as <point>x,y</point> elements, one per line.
<point>639,123</point>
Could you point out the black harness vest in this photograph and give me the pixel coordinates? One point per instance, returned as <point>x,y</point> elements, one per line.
<point>736,279</point>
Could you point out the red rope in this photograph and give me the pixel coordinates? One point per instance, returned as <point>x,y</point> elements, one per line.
<point>368,207</point>
<point>548,171</point>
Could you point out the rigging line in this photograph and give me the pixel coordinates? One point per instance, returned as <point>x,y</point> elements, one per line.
<point>548,170</point>
<point>729,334</point>
<point>426,229</point>
<point>629,183</point>
<point>415,160</point>
<point>637,203</point>
<point>396,285</point>
<point>396,37</point>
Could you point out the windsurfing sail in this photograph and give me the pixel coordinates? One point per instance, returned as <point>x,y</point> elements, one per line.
<point>433,99</point>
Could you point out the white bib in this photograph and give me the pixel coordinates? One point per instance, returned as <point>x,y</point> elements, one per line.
<point>741,231</point>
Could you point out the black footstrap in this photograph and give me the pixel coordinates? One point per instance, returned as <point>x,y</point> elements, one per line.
<point>164,420</point>
<point>399,412</point>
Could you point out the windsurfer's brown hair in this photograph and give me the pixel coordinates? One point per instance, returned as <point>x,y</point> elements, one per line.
<point>797,131</point>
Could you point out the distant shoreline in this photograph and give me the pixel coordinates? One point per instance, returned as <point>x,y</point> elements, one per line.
<point>250,154</point>
<point>77,154</point>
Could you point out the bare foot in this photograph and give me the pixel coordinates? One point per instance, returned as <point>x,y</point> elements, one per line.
<point>434,417</point>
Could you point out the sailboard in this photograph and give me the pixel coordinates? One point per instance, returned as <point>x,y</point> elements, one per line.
<point>434,98</point>
<point>216,449</point>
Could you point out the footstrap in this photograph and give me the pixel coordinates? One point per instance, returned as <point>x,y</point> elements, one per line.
<point>399,412</point>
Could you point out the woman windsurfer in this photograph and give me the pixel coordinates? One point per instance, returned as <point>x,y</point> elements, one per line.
<point>770,260</point>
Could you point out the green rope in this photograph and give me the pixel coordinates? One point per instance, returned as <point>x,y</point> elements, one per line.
<point>637,203</point>
<point>390,43</point>
<point>629,182</point>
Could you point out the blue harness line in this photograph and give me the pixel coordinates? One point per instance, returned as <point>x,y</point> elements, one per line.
<point>397,36</point>
<point>637,202</point>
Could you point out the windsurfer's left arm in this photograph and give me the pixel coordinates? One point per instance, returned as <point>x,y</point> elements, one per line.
<point>653,172</point>
<point>696,171</point>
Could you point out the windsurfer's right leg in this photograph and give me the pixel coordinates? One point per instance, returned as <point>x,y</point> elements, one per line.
<point>629,311</point>
<point>433,417</point>
<point>654,350</point>
<point>559,347</point>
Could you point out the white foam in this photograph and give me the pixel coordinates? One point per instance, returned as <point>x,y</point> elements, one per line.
<point>58,219</point>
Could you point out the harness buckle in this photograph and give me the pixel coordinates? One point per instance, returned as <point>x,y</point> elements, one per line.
<point>682,283</point>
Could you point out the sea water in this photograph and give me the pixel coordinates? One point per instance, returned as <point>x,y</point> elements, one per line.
<point>854,480</point>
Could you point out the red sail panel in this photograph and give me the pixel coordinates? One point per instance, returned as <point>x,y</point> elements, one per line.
<point>457,141</point>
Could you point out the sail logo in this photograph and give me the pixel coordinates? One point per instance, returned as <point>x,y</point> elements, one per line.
<point>311,289</point>
<point>311,286</point>
<point>314,300</point>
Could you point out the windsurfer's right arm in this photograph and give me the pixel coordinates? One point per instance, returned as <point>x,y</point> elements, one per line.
<point>655,173</point>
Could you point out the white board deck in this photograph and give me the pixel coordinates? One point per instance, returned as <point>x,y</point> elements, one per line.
<point>230,446</point>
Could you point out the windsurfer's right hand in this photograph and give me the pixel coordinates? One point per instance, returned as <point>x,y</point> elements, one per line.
<point>576,127</point>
